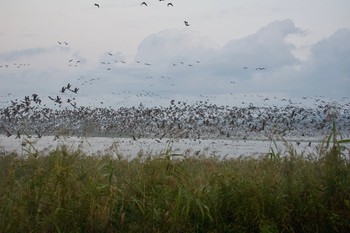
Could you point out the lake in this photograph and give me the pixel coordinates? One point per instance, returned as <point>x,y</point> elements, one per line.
<point>129,147</point>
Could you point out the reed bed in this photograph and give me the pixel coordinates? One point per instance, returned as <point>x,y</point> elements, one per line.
<point>68,191</point>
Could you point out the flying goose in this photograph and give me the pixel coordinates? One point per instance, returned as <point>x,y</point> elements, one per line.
<point>75,90</point>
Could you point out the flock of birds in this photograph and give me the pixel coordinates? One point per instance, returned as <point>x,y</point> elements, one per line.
<point>145,4</point>
<point>200,120</point>
<point>28,117</point>
<point>18,66</point>
<point>169,4</point>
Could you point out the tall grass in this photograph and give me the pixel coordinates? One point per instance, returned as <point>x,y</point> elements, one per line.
<point>68,191</point>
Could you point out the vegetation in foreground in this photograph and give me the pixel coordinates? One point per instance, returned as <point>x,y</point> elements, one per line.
<point>67,191</point>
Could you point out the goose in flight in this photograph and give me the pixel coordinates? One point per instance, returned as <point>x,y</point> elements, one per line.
<point>39,134</point>
<point>18,134</point>
<point>57,99</point>
<point>75,90</point>
<point>98,5</point>
<point>144,3</point>
<point>8,134</point>
<point>186,23</point>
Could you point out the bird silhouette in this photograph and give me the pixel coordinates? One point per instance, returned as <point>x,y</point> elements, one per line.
<point>8,134</point>
<point>38,133</point>
<point>75,90</point>
<point>169,4</point>
<point>186,23</point>
<point>98,5</point>
<point>144,3</point>
<point>18,134</point>
<point>57,99</point>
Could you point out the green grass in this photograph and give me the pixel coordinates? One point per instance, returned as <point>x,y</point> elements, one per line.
<point>67,191</point>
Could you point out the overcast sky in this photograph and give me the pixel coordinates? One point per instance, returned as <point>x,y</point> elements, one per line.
<point>126,53</point>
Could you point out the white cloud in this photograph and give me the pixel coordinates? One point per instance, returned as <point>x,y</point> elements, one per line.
<point>267,46</point>
<point>17,54</point>
<point>327,71</point>
<point>207,69</point>
<point>174,44</point>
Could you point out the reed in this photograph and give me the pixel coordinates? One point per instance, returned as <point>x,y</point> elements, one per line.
<point>68,191</point>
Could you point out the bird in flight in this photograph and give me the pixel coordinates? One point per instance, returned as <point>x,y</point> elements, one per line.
<point>169,4</point>
<point>186,23</point>
<point>144,3</point>
<point>57,99</point>
<point>75,90</point>
<point>8,134</point>
<point>98,5</point>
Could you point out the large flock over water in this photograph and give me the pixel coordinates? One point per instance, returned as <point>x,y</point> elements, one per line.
<point>179,119</point>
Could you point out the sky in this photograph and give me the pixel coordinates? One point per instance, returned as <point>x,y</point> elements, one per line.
<point>124,53</point>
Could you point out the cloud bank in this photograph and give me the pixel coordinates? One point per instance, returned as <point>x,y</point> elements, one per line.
<point>183,62</point>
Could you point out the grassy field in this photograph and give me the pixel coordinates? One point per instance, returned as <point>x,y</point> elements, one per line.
<point>67,191</point>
